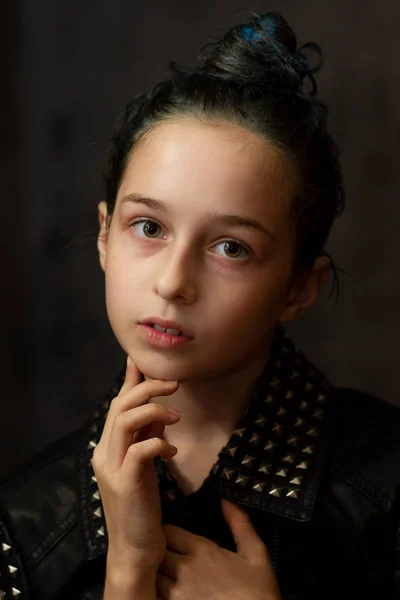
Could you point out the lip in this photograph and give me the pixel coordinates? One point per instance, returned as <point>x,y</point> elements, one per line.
<point>166,325</point>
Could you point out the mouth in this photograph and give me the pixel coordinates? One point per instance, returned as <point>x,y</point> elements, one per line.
<point>170,327</point>
<point>165,329</point>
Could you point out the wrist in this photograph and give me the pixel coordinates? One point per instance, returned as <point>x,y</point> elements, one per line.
<point>125,582</point>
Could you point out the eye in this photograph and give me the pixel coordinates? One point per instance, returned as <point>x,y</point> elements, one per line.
<point>150,227</point>
<point>233,248</point>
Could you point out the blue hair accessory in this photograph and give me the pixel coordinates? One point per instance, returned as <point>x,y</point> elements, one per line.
<point>249,34</point>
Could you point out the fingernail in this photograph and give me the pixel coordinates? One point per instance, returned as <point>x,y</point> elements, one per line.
<point>176,413</point>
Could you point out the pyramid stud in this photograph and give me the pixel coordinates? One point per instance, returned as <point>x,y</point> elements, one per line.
<point>293,494</point>
<point>94,428</point>
<point>289,458</point>
<point>277,428</point>
<point>318,414</point>
<point>248,460</point>
<point>293,440</point>
<point>106,404</point>
<point>321,398</point>
<point>269,399</point>
<point>232,451</point>
<point>100,532</point>
<point>276,492</point>
<point>15,592</point>
<point>98,513</point>
<point>259,486</point>
<point>170,495</point>
<point>265,468</point>
<point>214,469</point>
<point>12,571</point>
<point>242,480</point>
<point>275,383</point>
<point>92,444</point>
<point>295,376</point>
<point>281,412</point>
<point>289,394</point>
<point>227,473</point>
<point>308,449</point>
<point>6,549</point>
<point>240,432</point>
<point>309,386</point>
<point>261,421</point>
<point>270,446</point>
<point>313,431</point>
<point>296,480</point>
<point>255,438</point>
<point>300,422</point>
<point>302,465</point>
<point>96,414</point>
<point>304,405</point>
<point>96,496</point>
<point>283,472</point>
<point>93,479</point>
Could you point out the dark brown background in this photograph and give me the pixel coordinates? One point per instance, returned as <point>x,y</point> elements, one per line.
<point>67,70</point>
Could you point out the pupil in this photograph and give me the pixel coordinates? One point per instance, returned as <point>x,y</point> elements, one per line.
<point>148,226</point>
<point>229,245</point>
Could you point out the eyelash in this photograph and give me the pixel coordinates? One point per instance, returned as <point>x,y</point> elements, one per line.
<point>233,241</point>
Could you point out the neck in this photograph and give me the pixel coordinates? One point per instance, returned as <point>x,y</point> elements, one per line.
<point>212,408</point>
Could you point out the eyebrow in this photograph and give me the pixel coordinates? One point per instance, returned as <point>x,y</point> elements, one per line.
<point>232,220</point>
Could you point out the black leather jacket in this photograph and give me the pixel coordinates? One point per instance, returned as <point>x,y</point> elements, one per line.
<point>316,468</point>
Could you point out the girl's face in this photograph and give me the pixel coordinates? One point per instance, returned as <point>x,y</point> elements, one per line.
<point>227,280</point>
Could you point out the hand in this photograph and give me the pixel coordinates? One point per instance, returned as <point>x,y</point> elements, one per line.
<point>195,568</point>
<point>123,462</point>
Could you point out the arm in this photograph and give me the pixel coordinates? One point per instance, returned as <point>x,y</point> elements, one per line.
<point>124,584</point>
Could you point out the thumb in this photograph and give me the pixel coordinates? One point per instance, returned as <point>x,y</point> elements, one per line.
<point>248,543</point>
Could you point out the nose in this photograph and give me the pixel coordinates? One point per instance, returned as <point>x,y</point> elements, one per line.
<point>175,278</point>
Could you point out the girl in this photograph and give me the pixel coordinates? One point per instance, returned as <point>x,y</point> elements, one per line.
<point>222,464</point>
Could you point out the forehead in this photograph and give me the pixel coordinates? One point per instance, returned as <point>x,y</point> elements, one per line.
<point>207,162</point>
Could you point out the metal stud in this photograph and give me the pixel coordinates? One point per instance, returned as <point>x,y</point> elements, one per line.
<point>293,440</point>
<point>227,473</point>
<point>12,571</point>
<point>289,458</point>
<point>297,480</point>
<point>215,469</point>
<point>242,480</point>
<point>255,438</point>
<point>313,431</point>
<point>308,449</point>
<point>170,495</point>
<point>302,465</point>
<point>240,432</point>
<point>318,414</point>
<point>304,404</point>
<point>265,468</point>
<point>300,422</point>
<point>269,399</point>
<point>261,421</point>
<point>289,394</point>
<point>321,398</point>
<point>93,428</point>
<point>275,383</point>
<point>248,460</point>
<point>259,486</point>
<point>98,513</point>
<point>270,446</point>
<point>92,444</point>
<point>293,494</point>
<point>281,412</point>
<point>277,428</point>
<point>295,376</point>
<point>96,496</point>
<point>232,451</point>
<point>100,532</point>
<point>309,386</point>
<point>15,592</point>
<point>93,479</point>
<point>6,549</point>
<point>283,472</point>
<point>276,492</point>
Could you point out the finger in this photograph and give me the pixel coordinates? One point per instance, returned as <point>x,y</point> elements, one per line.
<point>127,423</point>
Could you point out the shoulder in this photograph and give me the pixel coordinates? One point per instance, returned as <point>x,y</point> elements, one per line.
<point>39,506</point>
<point>366,448</point>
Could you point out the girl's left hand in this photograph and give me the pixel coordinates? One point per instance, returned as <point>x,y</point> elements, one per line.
<point>195,568</point>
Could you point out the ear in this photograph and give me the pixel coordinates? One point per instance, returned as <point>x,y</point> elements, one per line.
<point>103,234</point>
<point>304,293</point>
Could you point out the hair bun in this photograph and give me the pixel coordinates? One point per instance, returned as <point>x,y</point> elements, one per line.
<point>264,52</point>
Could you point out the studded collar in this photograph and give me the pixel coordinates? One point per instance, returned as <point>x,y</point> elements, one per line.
<point>274,459</point>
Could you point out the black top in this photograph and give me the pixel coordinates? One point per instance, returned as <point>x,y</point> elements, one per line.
<point>316,468</point>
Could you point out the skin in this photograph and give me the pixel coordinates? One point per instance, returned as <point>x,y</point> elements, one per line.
<point>229,301</point>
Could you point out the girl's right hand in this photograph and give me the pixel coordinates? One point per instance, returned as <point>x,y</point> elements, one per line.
<point>123,462</point>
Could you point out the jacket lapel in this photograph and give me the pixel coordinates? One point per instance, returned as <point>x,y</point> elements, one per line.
<point>274,459</point>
